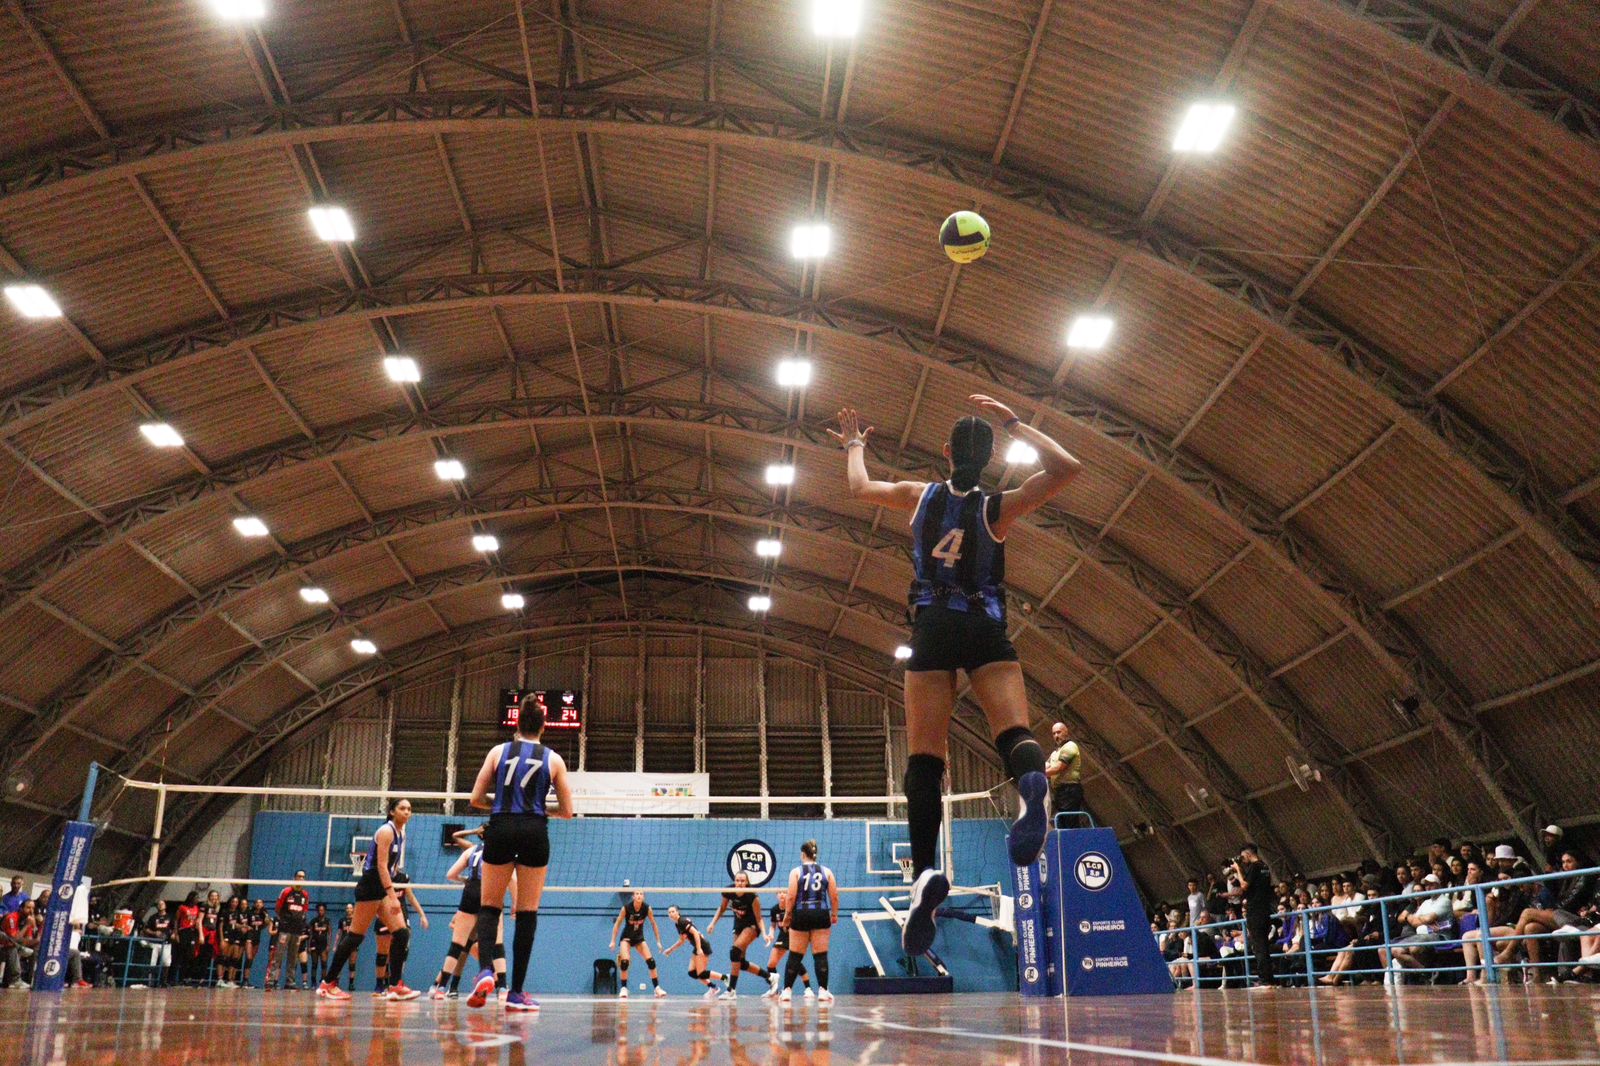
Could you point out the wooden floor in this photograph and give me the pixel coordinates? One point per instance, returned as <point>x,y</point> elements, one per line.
<point>1535,1024</point>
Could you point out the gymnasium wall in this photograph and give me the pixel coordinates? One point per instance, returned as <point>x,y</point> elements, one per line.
<point>574,928</point>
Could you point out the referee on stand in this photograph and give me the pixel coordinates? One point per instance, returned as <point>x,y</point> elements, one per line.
<point>1250,880</point>
<point>1064,768</point>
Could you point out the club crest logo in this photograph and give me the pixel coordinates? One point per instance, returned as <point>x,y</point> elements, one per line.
<point>1092,871</point>
<point>754,859</point>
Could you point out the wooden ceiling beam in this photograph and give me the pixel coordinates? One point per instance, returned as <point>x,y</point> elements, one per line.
<point>1021,88</point>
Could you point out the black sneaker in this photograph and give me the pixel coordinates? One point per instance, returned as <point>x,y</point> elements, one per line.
<point>927,892</point>
<point>1026,839</point>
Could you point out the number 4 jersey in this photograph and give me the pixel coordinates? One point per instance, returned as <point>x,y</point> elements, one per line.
<point>960,564</point>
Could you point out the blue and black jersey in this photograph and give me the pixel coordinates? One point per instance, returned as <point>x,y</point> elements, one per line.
<point>397,849</point>
<point>811,891</point>
<point>522,780</point>
<point>475,863</point>
<point>959,562</point>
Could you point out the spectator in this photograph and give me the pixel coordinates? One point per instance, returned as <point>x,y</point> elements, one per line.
<point>158,927</point>
<point>1550,840</point>
<point>1438,851</point>
<point>1430,924</point>
<point>19,939</point>
<point>1193,947</point>
<point>186,937</point>
<point>1196,900</point>
<point>1576,895</point>
<point>1469,853</point>
<point>12,901</point>
<point>1345,900</point>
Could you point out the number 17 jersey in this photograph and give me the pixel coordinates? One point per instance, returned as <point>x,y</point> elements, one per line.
<point>959,562</point>
<point>522,779</point>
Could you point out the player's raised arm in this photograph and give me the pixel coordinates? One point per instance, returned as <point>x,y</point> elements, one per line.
<point>895,495</point>
<point>1058,466</point>
<point>457,870</point>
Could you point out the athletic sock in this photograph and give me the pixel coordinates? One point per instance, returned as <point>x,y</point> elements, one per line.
<point>522,948</point>
<point>820,958</point>
<point>733,976</point>
<point>792,971</point>
<point>1019,752</point>
<point>399,948</point>
<point>455,979</point>
<point>924,790</point>
<point>651,963</point>
<point>347,947</point>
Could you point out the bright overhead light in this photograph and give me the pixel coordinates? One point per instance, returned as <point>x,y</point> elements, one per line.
<point>794,373</point>
<point>485,542</point>
<point>450,470</point>
<point>1203,127</point>
<point>333,224</point>
<point>250,526</point>
<point>240,10</point>
<point>513,601</point>
<point>33,301</point>
<point>161,435</point>
<point>810,241</point>
<point>902,653</point>
<point>363,646</point>
<point>768,548</point>
<point>1021,453</point>
<point>402,368</point>
<point>780,474</point>
<point>1089,331</point>
<point>760,603</point>
<point>314,595</point>
<point>836,18</point>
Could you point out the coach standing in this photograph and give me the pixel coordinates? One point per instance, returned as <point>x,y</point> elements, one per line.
<point>1252,883</point>
<point>1064,768</point>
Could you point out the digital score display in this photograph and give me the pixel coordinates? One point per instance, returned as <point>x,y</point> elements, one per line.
<point>562,709</point>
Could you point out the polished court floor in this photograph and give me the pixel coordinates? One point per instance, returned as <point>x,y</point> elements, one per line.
<point>1527,1025</point>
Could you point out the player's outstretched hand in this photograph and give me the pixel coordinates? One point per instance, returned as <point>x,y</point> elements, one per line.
<point>988,405</point>
<point>850,428</point>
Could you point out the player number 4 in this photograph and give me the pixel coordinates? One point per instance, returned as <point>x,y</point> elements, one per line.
<point>948,550</point>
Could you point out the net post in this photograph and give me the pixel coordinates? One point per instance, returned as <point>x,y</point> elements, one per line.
<point>949,837</point>
<point>86,803</point>
<point>155,837</point>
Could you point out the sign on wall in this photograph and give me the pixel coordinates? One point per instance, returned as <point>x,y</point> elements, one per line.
<point>629,793</point>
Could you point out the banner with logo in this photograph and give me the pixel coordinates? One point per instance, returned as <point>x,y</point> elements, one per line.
<point>51,966</point>
<point>656,793</point>
<point>1036,963</point>
<point>1102,935</point>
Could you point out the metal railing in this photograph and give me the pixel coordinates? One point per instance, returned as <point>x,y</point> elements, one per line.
<point>1387,943</point>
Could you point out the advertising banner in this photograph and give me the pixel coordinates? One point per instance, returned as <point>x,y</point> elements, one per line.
<point>1033,942</point>
<point>1102,935</point>
<point>51,966</point>
<point>678,794</point>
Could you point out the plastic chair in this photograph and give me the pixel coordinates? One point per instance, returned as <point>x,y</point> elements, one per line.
<point>605,977</point>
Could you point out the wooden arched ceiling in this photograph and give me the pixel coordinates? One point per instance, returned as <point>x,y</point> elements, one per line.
<point>1340,450</point>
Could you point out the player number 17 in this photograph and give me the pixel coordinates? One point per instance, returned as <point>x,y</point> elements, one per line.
<point>511,768</point>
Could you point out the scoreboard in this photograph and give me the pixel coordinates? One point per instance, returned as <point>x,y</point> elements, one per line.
<point>563,710</point>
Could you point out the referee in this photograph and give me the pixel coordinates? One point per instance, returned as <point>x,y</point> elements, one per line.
<point>1064,768</point>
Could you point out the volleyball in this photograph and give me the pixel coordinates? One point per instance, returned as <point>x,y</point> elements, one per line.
<point>964,236</point>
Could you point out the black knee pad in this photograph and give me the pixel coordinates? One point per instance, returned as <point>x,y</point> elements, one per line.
<point>820,958</point>
<point>694,974</point>
<point>736,955</point>
<point>457,950</point>
<point>498,953</point>
<point>622,963</point>
<point>651,963</point>
<point>1019,751</point>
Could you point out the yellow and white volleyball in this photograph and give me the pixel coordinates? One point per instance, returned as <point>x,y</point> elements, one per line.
<point>964,236</point>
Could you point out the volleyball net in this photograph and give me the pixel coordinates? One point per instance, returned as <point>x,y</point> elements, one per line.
<point>676,839</point>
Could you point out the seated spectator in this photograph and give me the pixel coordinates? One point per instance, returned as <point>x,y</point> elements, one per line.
<point>1430,924</point>
<point>1470,854</point>
<point>1575,895</point>
<point>12,901</point>
<point>1366,934</point>
<point>19,939</point>
<point>1550,840</point>
<point>1195,948</point>
<point>1345,900</point>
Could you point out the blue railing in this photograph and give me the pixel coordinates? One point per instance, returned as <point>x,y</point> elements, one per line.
<point>1485,941</point>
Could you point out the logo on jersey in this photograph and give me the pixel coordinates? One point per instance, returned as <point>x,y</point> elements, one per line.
<point>754,859</point>
<point>1092,870</point>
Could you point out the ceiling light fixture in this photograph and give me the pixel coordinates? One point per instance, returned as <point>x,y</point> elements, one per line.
<point>902,653</point>
<point>513,601</point>
<point>1090,331</point>
<point>759,604</point>
<point>33,301</point>
<point>402,369</point>
<point>1021,453</point>
<point>767,548</point>
<point>780,474</point>
<point>250,526</point>
<point>485,542</point>
<point>1203,127</point>
<point>240,10</point>
<point>810,241</point>
<point>161,435</point>
<point>333,224</point>
<point>314,595</point>
<point>794,373</point>
<point>363,646</point>
<point>836,18</point>
<point>450,470</point>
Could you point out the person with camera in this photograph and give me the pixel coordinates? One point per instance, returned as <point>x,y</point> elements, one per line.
<point>1250,881</point>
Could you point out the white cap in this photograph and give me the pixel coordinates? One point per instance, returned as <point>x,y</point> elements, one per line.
<point>1505,851</point>
<point>1553,830</point>
<point>1431,879</point>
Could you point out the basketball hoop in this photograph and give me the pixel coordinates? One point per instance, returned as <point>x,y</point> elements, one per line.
<point>908,872</point>
<point>358,863</point>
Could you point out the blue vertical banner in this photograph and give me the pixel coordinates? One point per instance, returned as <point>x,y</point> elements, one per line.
<point>1102,935</point>
<point>54,946</point>
<point>1033,951</point>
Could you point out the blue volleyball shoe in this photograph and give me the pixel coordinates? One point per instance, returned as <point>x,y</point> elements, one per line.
<point>927,892</point>
<point>1026,839</point>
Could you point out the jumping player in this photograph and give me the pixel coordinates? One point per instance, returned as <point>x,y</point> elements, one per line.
<point>514,785</point>
<point>958,607</point>
<point>778,937</point>
<point>746,909</point>
<point>699,952</point>
<point>810,921</point>
<point>630,921</point>
<point>375,897</point>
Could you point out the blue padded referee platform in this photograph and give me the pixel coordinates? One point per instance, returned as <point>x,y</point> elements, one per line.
<point>1081,929</point>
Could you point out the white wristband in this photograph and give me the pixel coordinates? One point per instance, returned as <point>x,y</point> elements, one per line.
<point>854,443</point>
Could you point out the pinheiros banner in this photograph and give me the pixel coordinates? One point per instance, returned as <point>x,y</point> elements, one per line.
<point>57,941</point>
<point>641,793</point>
